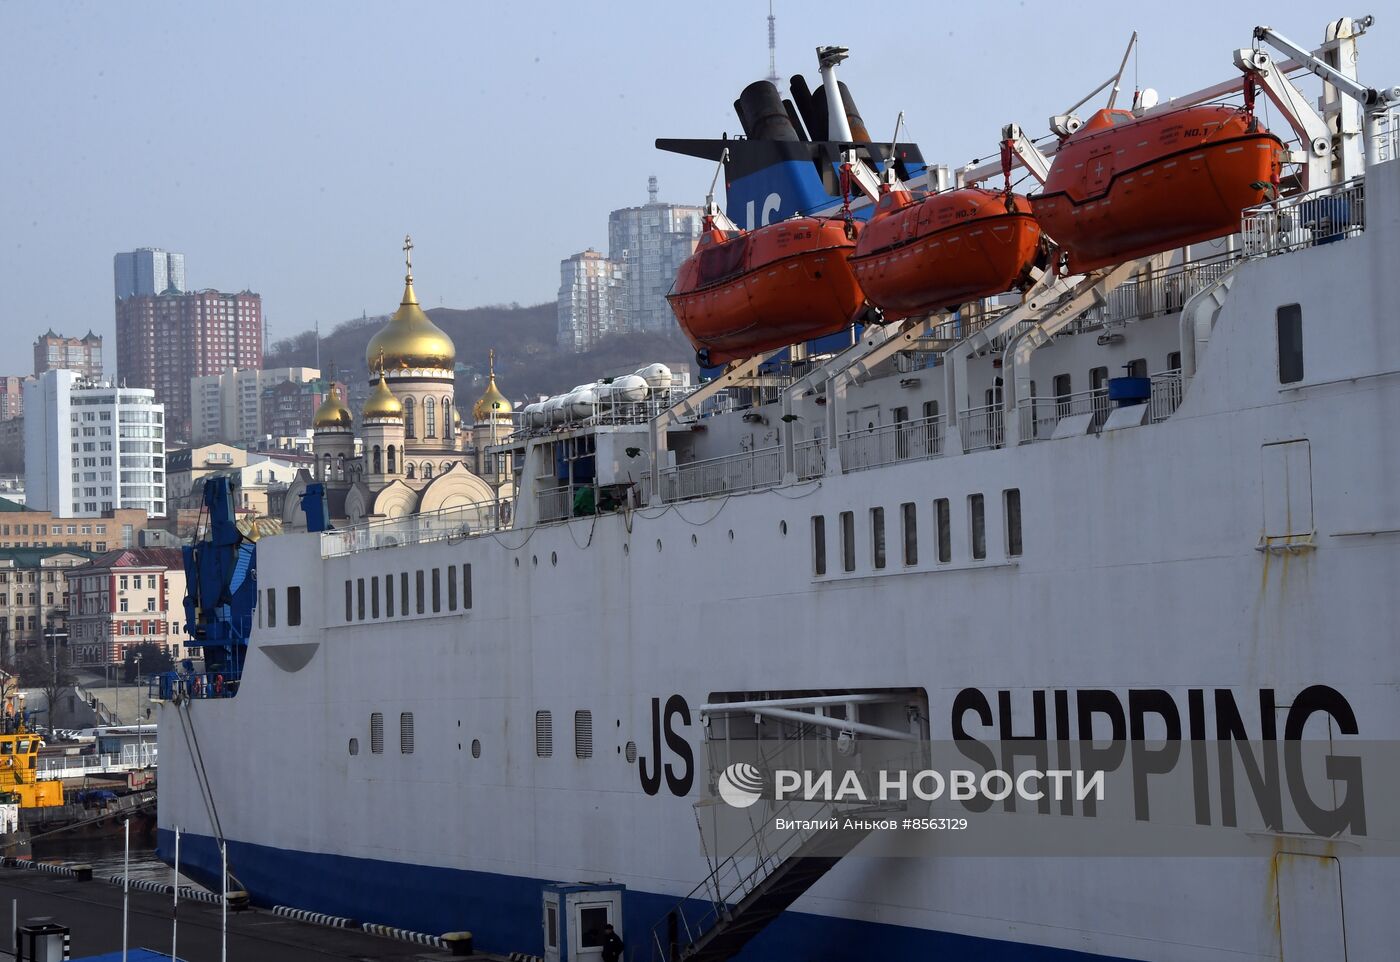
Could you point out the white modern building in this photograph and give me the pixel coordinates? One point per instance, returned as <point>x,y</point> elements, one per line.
<point>650,242</point>
<point>148,270</point>
<point>591,295</point>
<point>228,407</point>
<point>91,447</point>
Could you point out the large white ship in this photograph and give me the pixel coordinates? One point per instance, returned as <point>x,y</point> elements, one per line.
<point>1166,481</point>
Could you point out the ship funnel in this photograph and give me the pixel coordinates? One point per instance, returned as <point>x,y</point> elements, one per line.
<point>762,113</point>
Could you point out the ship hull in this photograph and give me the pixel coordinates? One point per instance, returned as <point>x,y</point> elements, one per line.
<point>507,907</point>
<point>1148,562</point>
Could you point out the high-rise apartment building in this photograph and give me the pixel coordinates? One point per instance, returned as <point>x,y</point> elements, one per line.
<point>11,397</point>
<point>56,352</point>
<point>147,270</point>
<point>229,406</point>
<point>289,409</point>
<point>91,448</point>
<point>591,291</point>
<point>164,341</point>
<point>650,242</point>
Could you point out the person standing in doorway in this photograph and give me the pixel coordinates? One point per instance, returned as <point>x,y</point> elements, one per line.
<point>612,945</point>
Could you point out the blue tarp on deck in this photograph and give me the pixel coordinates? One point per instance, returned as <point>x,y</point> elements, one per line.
<point>132,955</point>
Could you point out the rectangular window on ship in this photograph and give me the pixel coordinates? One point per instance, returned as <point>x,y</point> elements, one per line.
<point>877,538</point>
<point>909,518</point>
<point>1011,498</point>
<point>977,517</point>
<point>848,541</point>
<point>819,544</point>
<point>945,530</point>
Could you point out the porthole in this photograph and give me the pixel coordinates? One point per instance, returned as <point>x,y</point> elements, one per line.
<point>354,746</point>
<point>626,549</point>
<point>554,558</point>
<point>517,562</point>
<point>694,540</point>
<point>476,748</point>
<point>631,753</point>
<point>782,528</point>
<point>658,544</point>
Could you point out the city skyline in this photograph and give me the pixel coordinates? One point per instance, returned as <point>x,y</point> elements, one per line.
<point>403,122</point>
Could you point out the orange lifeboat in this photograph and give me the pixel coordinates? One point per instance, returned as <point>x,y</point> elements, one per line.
<point>1123,186</point>
<point>921,255</point>
<point>745,292</point>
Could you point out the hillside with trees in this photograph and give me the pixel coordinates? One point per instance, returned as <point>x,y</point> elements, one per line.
<point>528,362</point>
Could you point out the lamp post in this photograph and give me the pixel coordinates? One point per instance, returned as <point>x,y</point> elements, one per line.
<point>53,687</point>
<point>139,739</point>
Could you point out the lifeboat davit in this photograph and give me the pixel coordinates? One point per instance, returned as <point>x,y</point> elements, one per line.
<point>918,255</point>
<point>745,292</point>
<point>1123,186</point>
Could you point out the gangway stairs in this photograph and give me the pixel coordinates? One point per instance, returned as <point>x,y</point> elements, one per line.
<point>755,885</point>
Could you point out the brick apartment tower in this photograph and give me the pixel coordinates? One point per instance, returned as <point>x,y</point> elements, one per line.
<point>164,340</point>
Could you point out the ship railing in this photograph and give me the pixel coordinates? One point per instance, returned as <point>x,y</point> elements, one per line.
<point>890,443</point>
<point>1323,216</point>
<point>1162,292</point>
<point>555,504</point>
<point>1041,415</point>
<point>172,685</point>
<point>762,851</point>
<point>810,457</point>
<point>132,757</point>
<point>746,471</point>
<point>982,428</point>
<point>1386,145</point>
<point>739,874</point>
<point>1167,389</point>
<point>448,523</point>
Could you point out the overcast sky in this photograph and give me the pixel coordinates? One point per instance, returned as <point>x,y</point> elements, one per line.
<point>288,147</point>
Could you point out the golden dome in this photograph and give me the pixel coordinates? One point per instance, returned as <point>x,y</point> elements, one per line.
<point>382,403</point>
<point>410,339</point>
<point>332,413</point>
<point>492,403</point>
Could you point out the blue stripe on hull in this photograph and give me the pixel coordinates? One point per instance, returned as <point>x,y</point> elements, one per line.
<point>503,911</point>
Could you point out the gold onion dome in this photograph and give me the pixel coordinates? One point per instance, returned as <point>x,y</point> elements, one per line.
<point>410,339</point>
<point>493,403</point>
<point>332,413</point>
<point>382,403</point>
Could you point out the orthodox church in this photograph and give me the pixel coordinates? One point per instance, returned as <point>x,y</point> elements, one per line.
<point>411,453</point>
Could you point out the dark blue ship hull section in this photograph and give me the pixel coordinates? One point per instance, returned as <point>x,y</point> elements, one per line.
<point>503,911</point>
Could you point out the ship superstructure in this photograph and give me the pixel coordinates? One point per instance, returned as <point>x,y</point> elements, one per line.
<point>1166,481</point>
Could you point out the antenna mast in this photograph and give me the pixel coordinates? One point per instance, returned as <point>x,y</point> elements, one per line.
<point>772,46</point>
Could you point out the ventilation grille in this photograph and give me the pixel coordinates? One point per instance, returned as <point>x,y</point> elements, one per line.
<point>376,733</point>
<point>631,753</point>
<point>583,734</point>
<point>544,734</point>
<point>406,733</point>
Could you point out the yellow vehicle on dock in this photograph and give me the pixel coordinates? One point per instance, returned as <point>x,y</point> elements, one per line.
<point>19,762</point>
